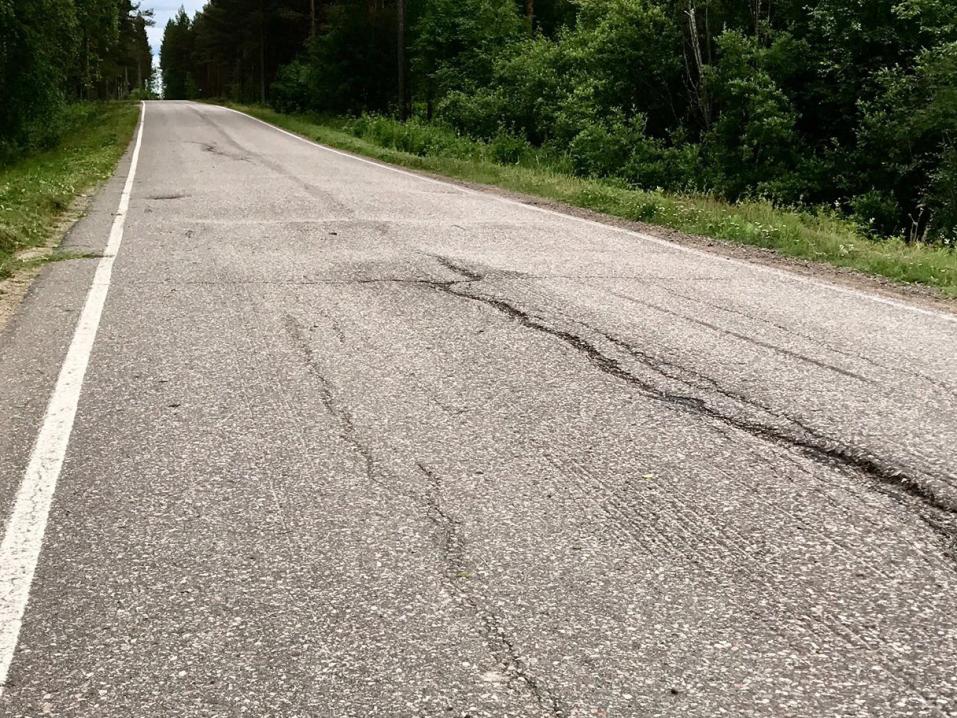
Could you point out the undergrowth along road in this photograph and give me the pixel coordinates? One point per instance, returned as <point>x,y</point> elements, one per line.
<point>37,190</point>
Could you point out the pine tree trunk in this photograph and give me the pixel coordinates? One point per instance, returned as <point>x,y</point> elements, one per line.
<point>262,59</point>
<point>400,59</point>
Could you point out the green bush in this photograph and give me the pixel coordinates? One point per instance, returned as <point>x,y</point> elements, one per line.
<point>601,150</point>
<point>754,141</point>
<point>508,148</point>
<point>942,199</point>
<point>621,149</point>
<point>875,212</point>
<point>478,114</point>
<point>291,91</point>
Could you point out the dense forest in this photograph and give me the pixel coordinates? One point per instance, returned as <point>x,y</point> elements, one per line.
<point>53,52</point>
<point>848,104</point>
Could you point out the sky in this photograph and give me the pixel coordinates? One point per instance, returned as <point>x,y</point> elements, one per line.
<point>163,11</point>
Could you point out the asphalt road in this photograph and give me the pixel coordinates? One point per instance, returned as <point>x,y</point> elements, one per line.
<point>353,442</point>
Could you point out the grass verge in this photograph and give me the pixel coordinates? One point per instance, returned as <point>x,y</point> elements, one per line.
<point>36,190</point>
<point>818,237</point>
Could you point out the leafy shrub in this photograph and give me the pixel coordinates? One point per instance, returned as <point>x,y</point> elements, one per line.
<point>508,148</point>
<point>291,91</point>
<point>478,114</point>
<point>942,199</point>
<point>531,80</point>
<point>621,149</point>
<point>875,212</point>
<point>754,140</point>
<point>8,239</point>
<point>602,150</point>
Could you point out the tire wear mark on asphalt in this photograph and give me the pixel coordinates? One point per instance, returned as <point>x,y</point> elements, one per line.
<point>457,574</point>
<point>278,168</point>
<point>256,345</point>
<point>807,441</point>
<point>669,529</point>
<point>340,336</point>
<point>900,366</point>
<point>676,530</point>
<point>453,552</point>
<point>215,150</point>
<point>334,325</point>
<point>743,337</point>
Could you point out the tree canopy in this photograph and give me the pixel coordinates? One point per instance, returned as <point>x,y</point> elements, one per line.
<point>54,51</point>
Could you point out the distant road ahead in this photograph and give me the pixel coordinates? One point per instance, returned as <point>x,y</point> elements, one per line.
<point>353,442</point>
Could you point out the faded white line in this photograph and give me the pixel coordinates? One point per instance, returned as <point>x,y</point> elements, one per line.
<point>23,539</point>
<point>611,228</point>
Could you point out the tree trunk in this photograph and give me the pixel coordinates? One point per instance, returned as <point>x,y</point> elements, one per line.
<point>84,87</point>
<point>530,15</point>
<point>696,82</point>
<point>312,18</point>
<point>400,59</point>
<point>262,56</point>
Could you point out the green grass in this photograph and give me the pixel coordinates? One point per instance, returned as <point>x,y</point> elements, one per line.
<point>819,237</point>
<point>36,190</point>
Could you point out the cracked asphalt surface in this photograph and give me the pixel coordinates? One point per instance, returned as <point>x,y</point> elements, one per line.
<point>357,443</point>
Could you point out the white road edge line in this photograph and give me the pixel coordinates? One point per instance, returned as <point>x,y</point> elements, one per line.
<point>26,526</point>
<point>610,227</point>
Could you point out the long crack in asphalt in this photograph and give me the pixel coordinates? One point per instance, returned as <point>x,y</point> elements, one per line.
<point>452,543</point>
<point>340,413</point>
<point>939,512</point>
<point>459,578</point>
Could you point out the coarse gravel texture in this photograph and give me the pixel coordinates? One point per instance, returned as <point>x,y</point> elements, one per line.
<point>357,443</point>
